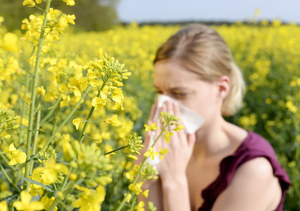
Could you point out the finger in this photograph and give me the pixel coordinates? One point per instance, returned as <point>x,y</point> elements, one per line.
<point>153,111</point>
<point>147,139</point>
<point>169,106</point>
<point>177,111</point>
<point>169,110</point>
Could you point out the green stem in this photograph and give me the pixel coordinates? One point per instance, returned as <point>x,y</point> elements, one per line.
<point>133,203</point>
<point>51,112</point>
<point>36,134</point>
<point>33,94</point>
<point>116,150</point>
<point>58,199</point>
<point>8,179</point>
<point>54,125</point>
<point>6,162</point>
<point>54,203</point>
<point>23,108</point>
<point>66,179</point>
<point>67,119</point>
<point>90,115</point>
<point>86,124</point>
<point>141,167</point>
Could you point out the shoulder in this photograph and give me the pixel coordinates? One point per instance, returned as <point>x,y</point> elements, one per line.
<point>255,145</point>
<point>253,181</point>
<point>258,170</point>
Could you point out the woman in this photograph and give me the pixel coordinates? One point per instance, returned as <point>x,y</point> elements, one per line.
<point>221,166</point>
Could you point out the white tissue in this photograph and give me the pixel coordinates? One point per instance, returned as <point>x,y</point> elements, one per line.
<point>192,121</point>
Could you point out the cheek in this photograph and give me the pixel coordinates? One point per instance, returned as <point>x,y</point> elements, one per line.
<point>202,104</point>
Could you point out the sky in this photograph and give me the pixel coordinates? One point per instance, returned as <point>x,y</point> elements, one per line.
<point>209,10</point>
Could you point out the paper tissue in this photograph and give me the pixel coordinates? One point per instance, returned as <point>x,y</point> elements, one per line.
<point>192,121</point>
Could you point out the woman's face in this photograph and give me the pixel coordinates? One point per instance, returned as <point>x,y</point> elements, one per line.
<point>173,80</point>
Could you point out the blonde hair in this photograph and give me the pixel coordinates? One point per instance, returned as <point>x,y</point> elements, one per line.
<point>202,50</point>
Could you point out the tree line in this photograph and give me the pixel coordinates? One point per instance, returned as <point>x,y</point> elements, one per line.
<point>91,15</point>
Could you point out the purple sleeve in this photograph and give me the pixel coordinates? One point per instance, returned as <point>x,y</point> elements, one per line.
<point>252,147</point>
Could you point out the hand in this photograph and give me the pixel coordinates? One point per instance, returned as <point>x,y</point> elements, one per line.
<point>148,134</point>
<point>180,147</point>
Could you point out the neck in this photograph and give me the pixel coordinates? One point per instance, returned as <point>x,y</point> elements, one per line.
<point>213,140</point>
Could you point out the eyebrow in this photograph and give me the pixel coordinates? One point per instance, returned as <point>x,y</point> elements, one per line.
<point>173,88</point>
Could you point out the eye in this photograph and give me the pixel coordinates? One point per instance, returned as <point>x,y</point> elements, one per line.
<point>158,91</point>
<point>179,95</point>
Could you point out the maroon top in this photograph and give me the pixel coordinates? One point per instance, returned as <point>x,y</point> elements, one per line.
<point>252,147</point>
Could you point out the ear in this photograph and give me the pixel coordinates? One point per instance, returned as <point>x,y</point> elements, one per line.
<point>223,85</point>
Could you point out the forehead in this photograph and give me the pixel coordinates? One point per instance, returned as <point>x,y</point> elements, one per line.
<point>170,73</point>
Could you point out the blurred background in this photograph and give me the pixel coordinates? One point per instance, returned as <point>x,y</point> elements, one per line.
<point>100,15</point>
<point>264,36</point>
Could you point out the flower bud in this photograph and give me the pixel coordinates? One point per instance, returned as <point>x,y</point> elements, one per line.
<point>60,195</point>
<point>82,175</point>
<point>76,147</point>
<point>73,176</point>
<point>68,151</point>
<point>73,165</point>
<point>91,183</point>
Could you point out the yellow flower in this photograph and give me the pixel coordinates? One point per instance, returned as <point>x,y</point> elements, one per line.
<point>68,151</point>
<point>291,107</point>
<point>10,42</point>
<point>132,173</point>
<point>48,174</point>
<point>70,19</point>
<point>113,121</point>
<point>167,136</point>
<point>162,152</point>
<point>35,190</point>
<point>26,204</point>
<point>151,206</point>
<point>151,127</point>
<point>7,136</point>
<point>178,128</point>
<point>41,90</point>
<point>30,3</point>
<point>47,202</point>
<point>140,206</point>
<point>98,102</point>
<point>73,177</point>
<point>146,193</point>
<point>3,206</point>
<point>38,1</point>
<point>69,2</point>
<point>151,153</point>
<point>103,180</point>
<point>117,96</point>
<point>268,100</point>
<point>63,88</point>
<point>90,200</point>
<point>247,121</point>
<point>76,122</point>
<point>78,82</point>
<point>1,20</point>
<point>128,197</point>
<point>16,156</point>
<point>136,188</point>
